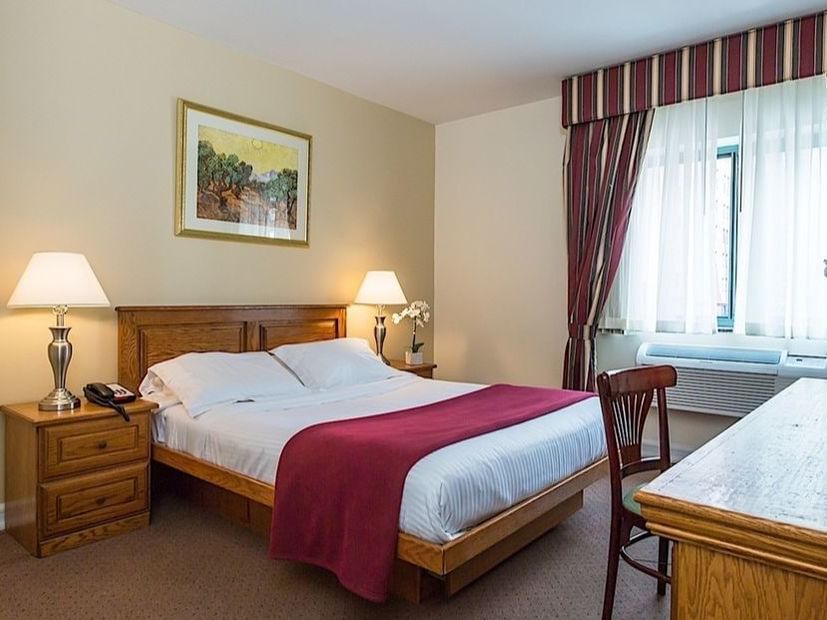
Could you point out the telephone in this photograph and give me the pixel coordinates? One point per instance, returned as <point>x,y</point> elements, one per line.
<point>111,395</point>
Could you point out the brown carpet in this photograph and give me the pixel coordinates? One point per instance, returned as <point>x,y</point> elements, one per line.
<point>189,564</point>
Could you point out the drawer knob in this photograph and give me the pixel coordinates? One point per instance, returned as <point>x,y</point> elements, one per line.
<point>102,445</point>
<point>100,501</point>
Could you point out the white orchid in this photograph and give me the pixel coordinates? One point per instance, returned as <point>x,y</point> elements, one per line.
<point>420,313</point>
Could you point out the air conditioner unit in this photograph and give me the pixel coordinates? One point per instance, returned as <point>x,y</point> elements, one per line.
<point>731,381</point>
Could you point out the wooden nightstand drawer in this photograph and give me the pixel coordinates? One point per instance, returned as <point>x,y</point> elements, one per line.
<point>74,477</point>
<point>82,501</point>
<point>424,370</point>
<point>85,446</point>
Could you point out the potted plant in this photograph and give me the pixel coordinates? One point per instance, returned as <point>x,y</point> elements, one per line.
<point>419,312</point>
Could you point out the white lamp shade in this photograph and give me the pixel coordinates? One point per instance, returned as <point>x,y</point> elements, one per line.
<point>380,288</point>
<point>58,279</point>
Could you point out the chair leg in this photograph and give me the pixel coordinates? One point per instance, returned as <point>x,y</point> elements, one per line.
<point>663,563</point>
<point>611,569</point>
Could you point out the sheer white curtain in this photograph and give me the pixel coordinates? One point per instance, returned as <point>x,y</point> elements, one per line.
<point>666,279</point>
<point>781,290</point>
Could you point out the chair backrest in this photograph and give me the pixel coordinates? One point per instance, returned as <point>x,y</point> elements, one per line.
<point>626,396</point>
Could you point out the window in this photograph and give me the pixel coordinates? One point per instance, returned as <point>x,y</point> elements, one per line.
<point>724,247</point>
<point>728,229</point>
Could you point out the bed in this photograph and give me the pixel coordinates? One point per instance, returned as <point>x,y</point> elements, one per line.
<point>454,524</point>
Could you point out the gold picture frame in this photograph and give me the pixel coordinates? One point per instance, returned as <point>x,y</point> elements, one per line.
<point>241,179</point>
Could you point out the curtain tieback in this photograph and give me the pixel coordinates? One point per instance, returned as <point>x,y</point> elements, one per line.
<point>582,332</point>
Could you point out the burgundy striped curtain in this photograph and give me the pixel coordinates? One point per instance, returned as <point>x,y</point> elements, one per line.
<point>601,169</point>
<point>791,50</point>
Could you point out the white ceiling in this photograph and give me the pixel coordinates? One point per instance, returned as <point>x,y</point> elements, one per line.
<point>441,60</point>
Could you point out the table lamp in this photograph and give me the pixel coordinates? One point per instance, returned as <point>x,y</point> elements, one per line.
<point>380,288</point>
<point>58,280</point>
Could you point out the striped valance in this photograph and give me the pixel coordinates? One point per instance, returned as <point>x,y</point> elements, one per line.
<point>790,50</point>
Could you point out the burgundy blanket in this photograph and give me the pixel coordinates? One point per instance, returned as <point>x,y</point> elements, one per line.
<point>339,484</point>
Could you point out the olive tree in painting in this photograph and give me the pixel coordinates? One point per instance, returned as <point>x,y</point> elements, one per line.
<point>284,189</point>
<point>246,181</point>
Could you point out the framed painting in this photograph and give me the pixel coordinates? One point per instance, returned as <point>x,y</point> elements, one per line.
<point>241,179</point>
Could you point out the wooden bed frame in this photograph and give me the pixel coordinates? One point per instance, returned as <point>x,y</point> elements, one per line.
<point>151,334</point>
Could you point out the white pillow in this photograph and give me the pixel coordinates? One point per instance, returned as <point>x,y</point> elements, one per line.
<point>334,363</point>
<point>203,380</point>
<point>152,388</point>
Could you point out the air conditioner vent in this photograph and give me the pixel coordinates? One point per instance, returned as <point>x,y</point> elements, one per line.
<point>720,392</point>
<point>728,381</point>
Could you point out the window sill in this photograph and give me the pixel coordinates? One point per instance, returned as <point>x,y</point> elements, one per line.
<point>796,346</point>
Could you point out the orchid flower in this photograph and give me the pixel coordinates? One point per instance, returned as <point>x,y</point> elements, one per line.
<point>420,313</point>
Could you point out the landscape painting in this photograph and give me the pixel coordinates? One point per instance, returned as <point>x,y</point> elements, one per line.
<point>240,178</point>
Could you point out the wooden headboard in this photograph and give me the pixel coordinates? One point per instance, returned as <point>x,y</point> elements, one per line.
<point>151,334</point>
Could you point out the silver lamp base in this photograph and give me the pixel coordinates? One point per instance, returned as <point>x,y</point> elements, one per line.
<point>379,331</point>
<point>59,400</point>
<point>60,354</point>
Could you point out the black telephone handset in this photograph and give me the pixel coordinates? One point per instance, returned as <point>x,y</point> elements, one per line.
<point>109,396</point>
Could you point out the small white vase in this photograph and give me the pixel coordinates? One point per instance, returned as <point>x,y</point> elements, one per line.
<point>412,359</point>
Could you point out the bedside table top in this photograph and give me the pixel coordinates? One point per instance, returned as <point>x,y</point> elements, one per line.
<point>401,365</point>
<point>87,411</point>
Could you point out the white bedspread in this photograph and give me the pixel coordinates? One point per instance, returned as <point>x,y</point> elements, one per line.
<point>446,492</point>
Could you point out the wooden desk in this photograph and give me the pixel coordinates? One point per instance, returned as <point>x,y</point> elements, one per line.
<point>748,512</point>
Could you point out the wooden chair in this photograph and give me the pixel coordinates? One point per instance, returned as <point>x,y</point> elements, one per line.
<point>626,397</point>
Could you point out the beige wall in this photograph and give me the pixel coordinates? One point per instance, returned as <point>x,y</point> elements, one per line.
<point>500,247</point>
<point>87,149</point>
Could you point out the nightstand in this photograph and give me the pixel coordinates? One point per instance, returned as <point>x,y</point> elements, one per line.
<point>75,477</point>
<point>426,369</point>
